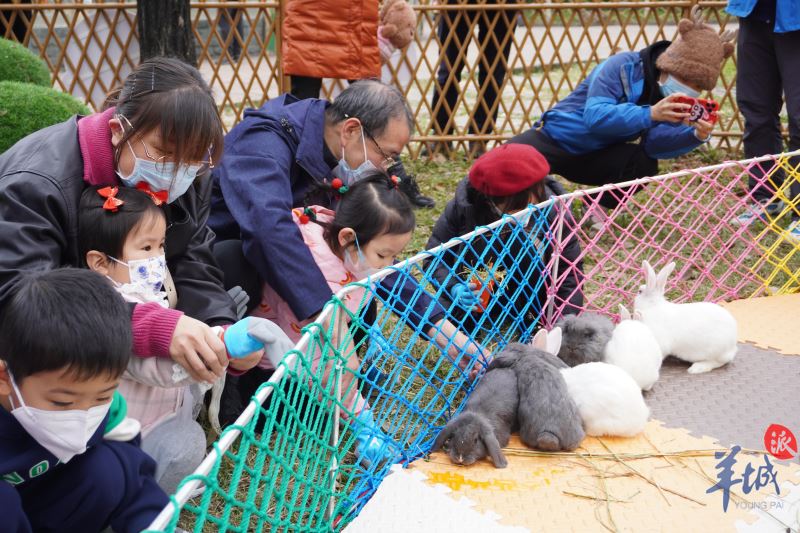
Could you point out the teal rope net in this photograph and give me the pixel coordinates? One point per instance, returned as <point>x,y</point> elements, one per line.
<point>290,462</point>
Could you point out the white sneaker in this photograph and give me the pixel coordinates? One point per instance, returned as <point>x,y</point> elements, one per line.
<point>792,233</point>
<point>758,211</point>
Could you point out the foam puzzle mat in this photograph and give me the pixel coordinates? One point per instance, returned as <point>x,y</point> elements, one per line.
<point>660,480</point>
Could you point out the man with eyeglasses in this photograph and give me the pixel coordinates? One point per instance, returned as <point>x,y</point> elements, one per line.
<point>273,158</point>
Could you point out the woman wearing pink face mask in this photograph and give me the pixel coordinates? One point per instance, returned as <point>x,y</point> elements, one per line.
<point>160,133</point>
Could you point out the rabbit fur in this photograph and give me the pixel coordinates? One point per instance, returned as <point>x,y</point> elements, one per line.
<point>584,338</point>
<point>701,333</point>
<point>485,424</point>
<point>634,348</point>
<point>608,399</point>
<point>548,417</point>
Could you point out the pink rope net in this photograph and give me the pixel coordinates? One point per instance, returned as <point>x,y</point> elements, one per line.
<point>692,217</point>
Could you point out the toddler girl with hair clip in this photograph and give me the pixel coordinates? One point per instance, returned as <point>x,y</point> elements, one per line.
<point>372,225</point>
<point>121,236</point>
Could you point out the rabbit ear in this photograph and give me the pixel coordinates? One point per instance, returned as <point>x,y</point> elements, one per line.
<point>540,340</point>
<point>493,446</point>
<point>649,274</point>
<point>445,434</point>
<point>624,314</point>
<point>554,341</point>
<point>661,280</point>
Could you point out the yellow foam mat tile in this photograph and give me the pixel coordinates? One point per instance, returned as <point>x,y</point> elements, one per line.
<point>771,322</point>
<point>656,481</point>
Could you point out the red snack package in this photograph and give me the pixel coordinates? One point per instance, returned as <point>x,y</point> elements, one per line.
<point>702,108</point>
<point>486,293</point>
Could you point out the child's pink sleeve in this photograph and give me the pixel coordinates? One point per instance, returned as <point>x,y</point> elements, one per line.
<point>153,327</point>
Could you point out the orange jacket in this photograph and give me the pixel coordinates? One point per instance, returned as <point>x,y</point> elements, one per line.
<point>331,39</point>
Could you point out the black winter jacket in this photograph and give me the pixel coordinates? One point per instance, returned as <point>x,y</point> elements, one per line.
<point>460,217</point>
<point>41,181</point>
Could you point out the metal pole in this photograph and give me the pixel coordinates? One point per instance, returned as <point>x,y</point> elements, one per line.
<point>556,250</point>
<point>336,417</point>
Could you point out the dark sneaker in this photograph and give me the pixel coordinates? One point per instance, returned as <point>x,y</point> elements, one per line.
<point>408,186</point>
<point>437,148</point>
<point>477,149</point>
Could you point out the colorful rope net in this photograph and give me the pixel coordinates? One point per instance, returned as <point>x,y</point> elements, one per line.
<point>290,461</point>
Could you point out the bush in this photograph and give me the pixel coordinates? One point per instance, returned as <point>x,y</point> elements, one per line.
<point>17,63</point>
<point>25,108</point>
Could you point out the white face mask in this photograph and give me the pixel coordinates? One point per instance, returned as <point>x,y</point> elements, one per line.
<point>349,175</point>
<point>62,433</point>
<point>362,268</point>
<point>146,275</point>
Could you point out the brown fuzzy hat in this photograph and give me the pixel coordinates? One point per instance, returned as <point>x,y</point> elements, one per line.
<point>696,55</point>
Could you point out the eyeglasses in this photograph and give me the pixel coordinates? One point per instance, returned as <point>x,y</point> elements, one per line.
<point>206,165</point>
<point>388,160</point>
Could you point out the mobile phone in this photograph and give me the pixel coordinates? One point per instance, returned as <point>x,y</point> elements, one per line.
<point>702,108</point>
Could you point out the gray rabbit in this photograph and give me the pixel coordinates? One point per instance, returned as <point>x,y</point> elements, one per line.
<point>485,424</point>
<point>584,338</point>
<point>548,417</point>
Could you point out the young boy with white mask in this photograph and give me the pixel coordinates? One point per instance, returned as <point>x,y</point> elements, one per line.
<point>66,340</point>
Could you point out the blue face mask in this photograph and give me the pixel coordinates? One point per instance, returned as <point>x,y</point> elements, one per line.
<point>362,269</point>
<point>672,86</point>
<point>349,175</point>
<point>160,175</point>
<point>165,176</point>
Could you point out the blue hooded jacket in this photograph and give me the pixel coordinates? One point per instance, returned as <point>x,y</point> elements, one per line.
<point>272,159</point>
<point>605,109</point>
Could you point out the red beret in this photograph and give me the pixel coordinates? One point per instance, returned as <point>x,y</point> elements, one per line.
<point>508,169</point>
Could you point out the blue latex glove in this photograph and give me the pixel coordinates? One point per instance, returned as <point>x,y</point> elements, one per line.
<point>373,446</point>
<point>465,295</point>
<point>252,334</point>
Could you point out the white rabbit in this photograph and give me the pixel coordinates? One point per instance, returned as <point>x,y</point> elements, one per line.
<point>702,333</point>
<point>634,349</point>
<point>609,401</point>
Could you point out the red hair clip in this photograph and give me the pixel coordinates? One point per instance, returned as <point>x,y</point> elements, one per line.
<point>339,186</point>
<point>307,215</point>
<point>158,198</point>
<point>112,203</point>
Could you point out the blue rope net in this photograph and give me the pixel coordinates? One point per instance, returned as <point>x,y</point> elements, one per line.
<point>294,466</point>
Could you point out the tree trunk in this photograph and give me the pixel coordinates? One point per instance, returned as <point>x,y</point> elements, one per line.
<point>165,29</point>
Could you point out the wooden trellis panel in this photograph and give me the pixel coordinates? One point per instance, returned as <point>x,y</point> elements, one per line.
<point>551,47</point>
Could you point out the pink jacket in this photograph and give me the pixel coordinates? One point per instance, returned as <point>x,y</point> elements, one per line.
<point>273,307</point>
<point>153,387</point>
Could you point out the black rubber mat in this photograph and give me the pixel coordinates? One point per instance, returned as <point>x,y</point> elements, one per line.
<point>734,404</point>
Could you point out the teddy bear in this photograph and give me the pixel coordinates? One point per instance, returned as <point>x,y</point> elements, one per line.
<point>396,29</point>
